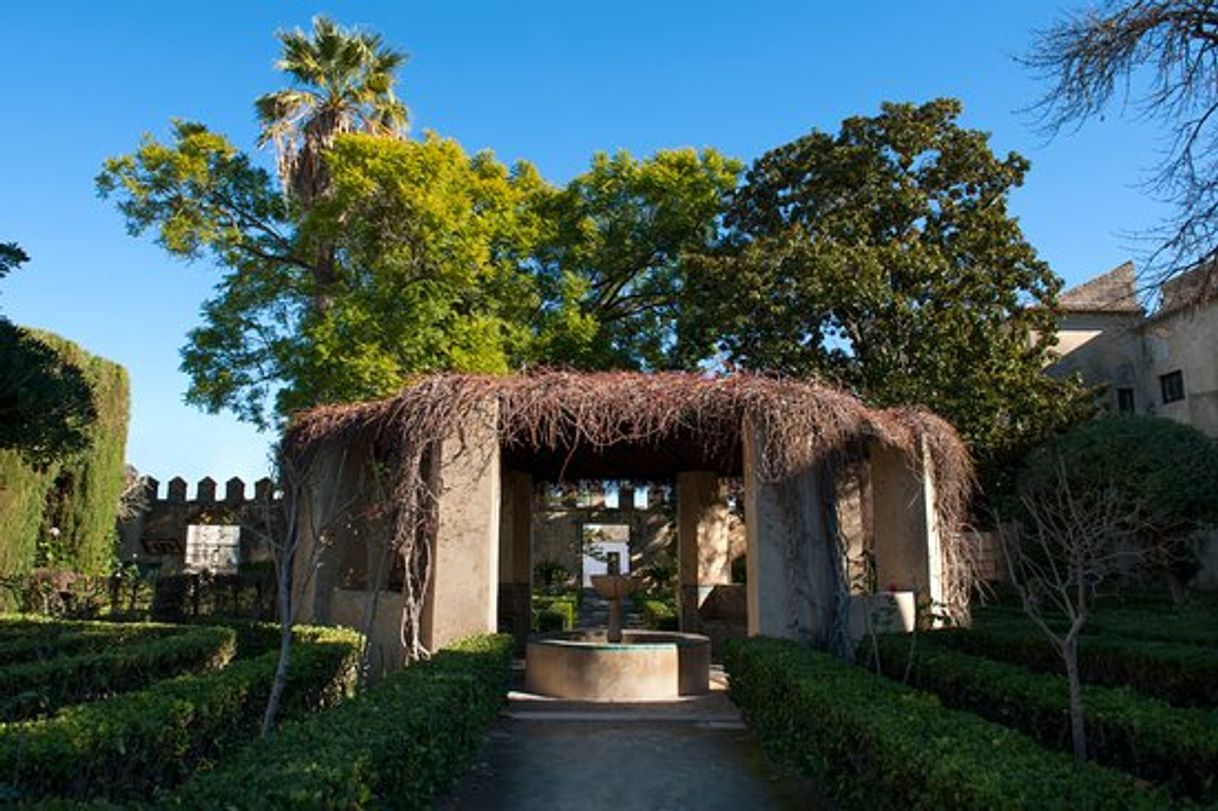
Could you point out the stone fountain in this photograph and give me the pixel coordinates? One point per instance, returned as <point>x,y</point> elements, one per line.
<point>614,586</point>
<point>610,664</point>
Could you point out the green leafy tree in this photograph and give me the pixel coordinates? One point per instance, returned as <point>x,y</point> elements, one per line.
<point>429,245</point>
<point>432,246</point>
<point>611,265</point>
<point>204,199</point>
<point>882,258</point>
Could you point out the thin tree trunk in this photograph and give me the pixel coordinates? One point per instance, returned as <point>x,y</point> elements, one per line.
<point>1078,733</point>
<point>285,644</point>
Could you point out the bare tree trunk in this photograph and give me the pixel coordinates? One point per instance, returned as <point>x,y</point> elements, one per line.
<point>285,645</point>
<point>1078,732</point>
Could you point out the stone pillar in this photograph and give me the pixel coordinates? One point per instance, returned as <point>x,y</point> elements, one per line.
<point>515,555</point>
<point>907,551</point>
<point>790,575</point>
<point>702,540</point>
<point>465,561</point>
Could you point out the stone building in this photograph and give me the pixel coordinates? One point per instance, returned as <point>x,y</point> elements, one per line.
<point>1162,362</point>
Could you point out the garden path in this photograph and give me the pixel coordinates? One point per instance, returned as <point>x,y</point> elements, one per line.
<point>691,753</point>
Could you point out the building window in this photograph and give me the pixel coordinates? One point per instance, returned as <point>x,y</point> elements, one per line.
<point>1172,386</point>
<point>1125,401</point>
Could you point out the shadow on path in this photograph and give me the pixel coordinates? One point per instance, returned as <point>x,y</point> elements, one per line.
<point>693,753</point>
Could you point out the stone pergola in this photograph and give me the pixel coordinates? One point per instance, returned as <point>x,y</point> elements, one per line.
<point>878,489</point>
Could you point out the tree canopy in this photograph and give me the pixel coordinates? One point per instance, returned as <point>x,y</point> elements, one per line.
<point>1159,59</point>
<point>883,258</point>
<point>612,267</point>
<point>427,276</point>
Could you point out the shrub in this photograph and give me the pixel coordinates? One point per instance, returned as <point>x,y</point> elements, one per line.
<point>554,612</point>
<point>34,688</point>
<point>86,637</point>
<point>127,746</point>
<point>393,746</point>
<point>1146,737</point>
<point>876,744</point>
<point>1163,470</point>
<point>1184,675</point>
<point>658,614</point>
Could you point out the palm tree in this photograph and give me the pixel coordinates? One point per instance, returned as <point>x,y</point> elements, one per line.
<point>343,82</point>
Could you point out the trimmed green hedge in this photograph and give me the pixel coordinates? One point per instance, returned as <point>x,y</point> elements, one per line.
<point>1189,626</point>
<point>1184,675</point>
<point>1144,736</point>
<point>78,496</point>
<point>393,746</point>
<point>658,615</point>
<point>555,612</point>
<point>34,688</point>
<point>92,637</point>
<point>123,748</point>
<point>872,743</point>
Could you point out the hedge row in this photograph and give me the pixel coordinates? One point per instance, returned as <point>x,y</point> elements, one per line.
<point>1169,745</point>
<point>124,748</point>
<point>873,743</point>
<point>554,612</point>
<point>1190,626</point>
<point>35,688</point>
<point>1184,675</point>
<point>97,636</point>
<point>393,746</point>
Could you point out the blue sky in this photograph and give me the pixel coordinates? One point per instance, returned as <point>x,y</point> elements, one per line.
<point>550,82</point>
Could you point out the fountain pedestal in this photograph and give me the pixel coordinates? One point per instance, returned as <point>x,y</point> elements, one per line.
<point>615,665</point>
<point>614,587</point>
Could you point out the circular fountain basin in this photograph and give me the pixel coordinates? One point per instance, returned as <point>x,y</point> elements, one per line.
<point>645,665</point>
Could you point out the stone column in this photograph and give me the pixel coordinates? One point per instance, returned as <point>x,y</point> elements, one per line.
<point>515,554</point>
<point>463,598</point>
<point>907,551</point>
<point>702,540</point>
<point>790,576</point>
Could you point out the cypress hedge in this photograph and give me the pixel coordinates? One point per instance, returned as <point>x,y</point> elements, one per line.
<point>78,495</point>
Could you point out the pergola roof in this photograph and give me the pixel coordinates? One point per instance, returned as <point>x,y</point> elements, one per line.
<point>573,425</point>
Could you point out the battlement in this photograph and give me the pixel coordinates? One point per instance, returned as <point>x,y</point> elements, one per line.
<point>205,492</point>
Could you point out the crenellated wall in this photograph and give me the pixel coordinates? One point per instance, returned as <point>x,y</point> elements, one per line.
<point>157,536</point>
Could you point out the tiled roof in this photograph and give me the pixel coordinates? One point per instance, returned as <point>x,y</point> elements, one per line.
<point>1112,292</point>
<point>1196,286</point>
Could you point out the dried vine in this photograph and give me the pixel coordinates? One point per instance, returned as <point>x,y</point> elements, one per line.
<point>805,424</point>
